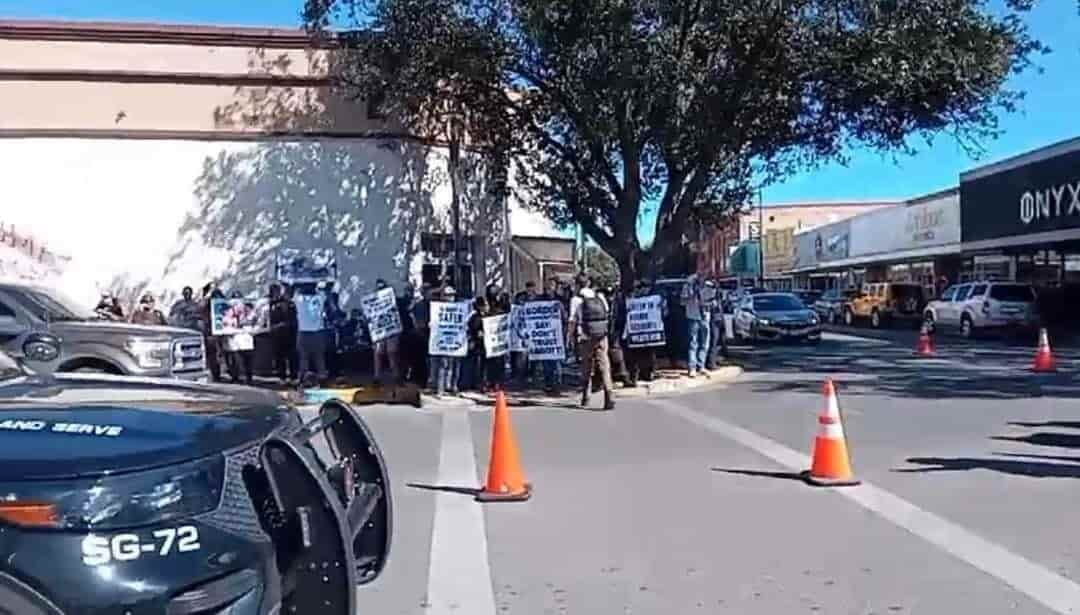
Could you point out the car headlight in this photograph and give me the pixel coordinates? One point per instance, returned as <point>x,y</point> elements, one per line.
<point>764,321</point>
<point>813,319</point>
<point>116,501</point>
<point>149,354</point>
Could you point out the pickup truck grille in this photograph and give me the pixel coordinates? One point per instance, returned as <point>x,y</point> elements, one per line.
<point>188,355</point>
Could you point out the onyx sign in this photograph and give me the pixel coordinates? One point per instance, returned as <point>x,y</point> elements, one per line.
<point>1038,197</point>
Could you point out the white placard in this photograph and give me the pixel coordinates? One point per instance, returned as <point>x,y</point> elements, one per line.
<point>644,322</point>
<point>496,335</point>
<point>449,328</point>
<point>542,328</point>
<point>380,310</point>
<point>517,329</point>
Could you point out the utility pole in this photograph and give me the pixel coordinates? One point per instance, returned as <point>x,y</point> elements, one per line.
<point>761,240</point>
<point>455,199</point>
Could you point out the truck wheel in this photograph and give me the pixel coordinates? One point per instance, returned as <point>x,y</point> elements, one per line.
<point>967,328</point>
<point>875,319</point>
<point>849,317</point>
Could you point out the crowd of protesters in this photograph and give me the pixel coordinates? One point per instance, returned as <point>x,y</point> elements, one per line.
<point>312,340</point>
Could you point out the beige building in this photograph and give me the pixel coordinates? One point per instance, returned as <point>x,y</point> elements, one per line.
<point>156,156</point>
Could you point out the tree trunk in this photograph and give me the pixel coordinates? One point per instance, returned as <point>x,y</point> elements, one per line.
<point>455,205</point>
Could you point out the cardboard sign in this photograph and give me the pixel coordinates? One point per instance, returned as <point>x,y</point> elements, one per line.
<point>542,328</point>
<point>380,310</point>
<point>293,266</point>
<point>234,316</point>
<point>496,335</point>
<point>449,329</point>
<point>644,322</point>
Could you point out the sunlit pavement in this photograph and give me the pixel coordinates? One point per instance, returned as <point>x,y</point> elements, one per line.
<point>688,504</point>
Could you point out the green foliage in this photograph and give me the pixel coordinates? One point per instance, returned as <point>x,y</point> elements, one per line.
<point>601,267</point>
<point>604,105</point>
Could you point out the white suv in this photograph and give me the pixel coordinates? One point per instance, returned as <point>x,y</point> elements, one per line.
<point>980,306</point>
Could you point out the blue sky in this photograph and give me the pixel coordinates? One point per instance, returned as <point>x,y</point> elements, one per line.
<point>1049,114</point>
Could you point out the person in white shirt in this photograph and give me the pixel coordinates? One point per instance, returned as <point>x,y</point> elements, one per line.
<point>311,333</point>
<point>589,318</point>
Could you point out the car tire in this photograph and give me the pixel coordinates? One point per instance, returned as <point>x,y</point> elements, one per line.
<point>967,327</point>
<point>931,326</point>
<point>875,319</point>
<point>849,317</point>
<point>832,318</point>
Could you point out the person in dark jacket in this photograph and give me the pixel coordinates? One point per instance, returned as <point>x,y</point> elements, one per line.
<point>211,341</point>
<point>589,324</point>
<point>473,370</point>
<point>147,314</point>
<point>283,333</point>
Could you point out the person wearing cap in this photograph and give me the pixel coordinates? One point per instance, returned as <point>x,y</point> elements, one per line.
<point>147,314</point>
<point>589,318</point>
<point>449,368</point>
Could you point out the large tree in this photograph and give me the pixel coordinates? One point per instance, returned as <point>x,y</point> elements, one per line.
<point>607,107</point>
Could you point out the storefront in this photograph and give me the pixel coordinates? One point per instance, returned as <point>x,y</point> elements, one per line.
<point>1021,221</point>
<point>918,241</point>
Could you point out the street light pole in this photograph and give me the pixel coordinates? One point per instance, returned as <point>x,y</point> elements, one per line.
<point>761,240</point>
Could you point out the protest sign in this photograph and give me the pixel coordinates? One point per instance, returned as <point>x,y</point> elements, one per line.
<point>380,310</point>
<point>233,316</point>
<point>517,329</point>
<point>542,328</point>
<point>644,322</point>
<point>496,335</point>
<point>449,329</point>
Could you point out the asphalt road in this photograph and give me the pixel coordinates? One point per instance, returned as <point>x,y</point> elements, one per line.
<point>688,503</point>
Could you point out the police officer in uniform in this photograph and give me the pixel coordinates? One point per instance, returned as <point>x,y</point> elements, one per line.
<point>589,316</point>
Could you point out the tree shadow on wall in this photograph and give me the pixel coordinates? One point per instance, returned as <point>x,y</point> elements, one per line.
<point>369,196</point>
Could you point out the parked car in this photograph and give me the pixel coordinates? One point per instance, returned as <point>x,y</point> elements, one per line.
<point>980,306</point>
<point>830,305</point>
<point>166,496</point>
<point>92,343</point>
<point>882,303</point>
<point>775,316</point>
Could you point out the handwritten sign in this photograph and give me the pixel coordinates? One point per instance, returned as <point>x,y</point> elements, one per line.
<point>449,329</point>
<point>542,328</point>
<point>496,335</point>
<point>644,322</point>
<point>380,310</point>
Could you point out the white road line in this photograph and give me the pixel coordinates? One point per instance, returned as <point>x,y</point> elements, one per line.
<point>842,337</point>
<point>1053,591</point>
<point>459,580</point>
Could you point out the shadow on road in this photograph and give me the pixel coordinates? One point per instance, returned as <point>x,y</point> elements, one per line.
<point>874,367</point>
<point>471,491</point>
<point>762,473</point>
<point>1037,469</point>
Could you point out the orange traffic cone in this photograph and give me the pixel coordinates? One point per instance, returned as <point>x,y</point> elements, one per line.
<point>925,347</point>
<point>506,482</point>
<point>1044,357</point>
<point>831,465</point>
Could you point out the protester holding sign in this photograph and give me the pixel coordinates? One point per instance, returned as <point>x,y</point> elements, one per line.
<point>472,370</point>
<point>496,347</point>
<point>449,339</point>
<point>644,331</point>
<point>384,326</point>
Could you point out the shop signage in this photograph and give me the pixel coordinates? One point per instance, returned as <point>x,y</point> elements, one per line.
<point>822,245</point>
<point>1037,197</point>
<point>907,227</point>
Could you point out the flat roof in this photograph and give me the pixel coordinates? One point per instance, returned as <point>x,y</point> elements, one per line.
<point>1019,160</point>
<point>160,33</point>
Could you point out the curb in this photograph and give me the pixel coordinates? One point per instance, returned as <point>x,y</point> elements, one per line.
<point>718,377</point>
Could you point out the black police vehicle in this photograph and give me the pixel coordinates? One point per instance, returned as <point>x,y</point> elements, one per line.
<point>143,496</point>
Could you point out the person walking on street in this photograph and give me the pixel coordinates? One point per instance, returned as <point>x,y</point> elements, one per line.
<point>589,317</point>
<point>697,298</point>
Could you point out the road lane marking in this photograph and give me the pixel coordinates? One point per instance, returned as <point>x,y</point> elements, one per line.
<point>843,337</point>
<point>1051,590</point>
<point>459,578</point>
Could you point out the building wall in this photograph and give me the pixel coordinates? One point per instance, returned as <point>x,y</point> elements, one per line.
<point>155,165</point>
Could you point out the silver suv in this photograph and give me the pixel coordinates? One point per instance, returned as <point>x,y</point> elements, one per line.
<point>982,306</point>
<point>93,344</point>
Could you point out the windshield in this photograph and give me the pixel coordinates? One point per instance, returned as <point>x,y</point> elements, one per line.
<point>777,303</point>
<point>1012,292</point>
<point>49,304</point>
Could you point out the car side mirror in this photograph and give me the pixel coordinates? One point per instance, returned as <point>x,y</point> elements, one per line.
<point>41,347</point>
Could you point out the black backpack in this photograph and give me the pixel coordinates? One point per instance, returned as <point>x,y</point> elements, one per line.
<point>594,317</point>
